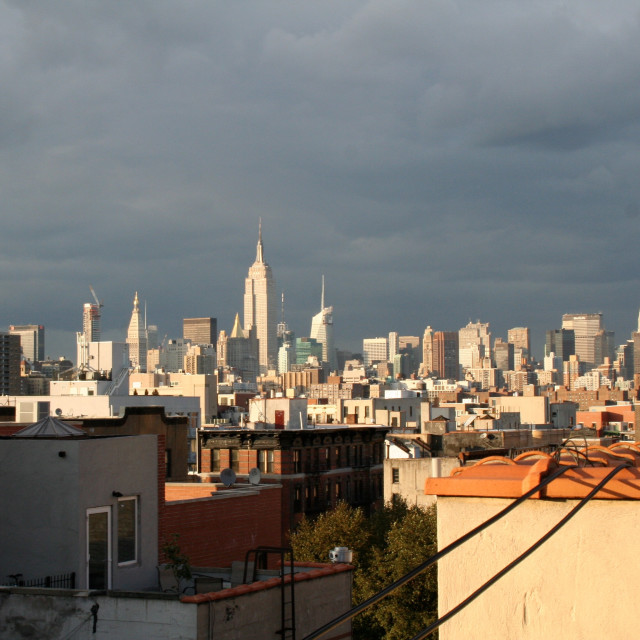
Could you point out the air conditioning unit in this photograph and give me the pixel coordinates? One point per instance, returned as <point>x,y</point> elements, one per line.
<point>340,554</point>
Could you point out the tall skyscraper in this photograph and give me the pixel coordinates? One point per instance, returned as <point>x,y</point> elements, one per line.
<point>137,338</point>
<point>445,354</point>
<point>322,331</point>
<point>31,340</point>
<point>260,308</point>
<point>375,350</point>
<point>520,338</point>
<point>200,330</point>
<point>474,343</point>
<point>91,322</point>
<point>562,342</point>
<point>427,352</point>
<point>593,342</point>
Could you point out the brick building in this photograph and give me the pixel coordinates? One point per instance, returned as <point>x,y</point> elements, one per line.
<point>317,468</point>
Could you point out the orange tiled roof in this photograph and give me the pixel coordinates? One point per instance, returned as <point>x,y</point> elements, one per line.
<point>500,477</point>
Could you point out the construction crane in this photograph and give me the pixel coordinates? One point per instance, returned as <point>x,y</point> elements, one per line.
<point>95,297</point>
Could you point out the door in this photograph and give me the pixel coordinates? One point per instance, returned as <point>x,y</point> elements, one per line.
<point>99,548</point>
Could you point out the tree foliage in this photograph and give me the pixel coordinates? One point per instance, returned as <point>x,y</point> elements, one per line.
<point>386,546</point>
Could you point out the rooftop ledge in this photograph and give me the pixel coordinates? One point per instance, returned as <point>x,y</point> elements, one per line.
<point>500,477</point>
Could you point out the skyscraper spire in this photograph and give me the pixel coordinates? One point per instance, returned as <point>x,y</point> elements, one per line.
<point>261,309</point>
<point>322,295</point>
<point>137,338</point>
<point>259,254</point>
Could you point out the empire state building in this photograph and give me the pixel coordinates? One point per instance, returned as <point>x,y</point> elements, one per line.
<point>260,309</point>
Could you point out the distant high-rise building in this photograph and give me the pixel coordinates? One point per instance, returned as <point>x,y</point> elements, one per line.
<point>520,338</point>
<point>200,358</point>
<point>393,345</point>
<point>236,351</point>
<point>503,354</point>
<point>593,342</point>
<point>562,342</point>
<point>91,321</point>
<point>322,331</point>
<point>200,330</point>
<point>410,347</point>
<point>260,309</point>
<point>31,340</point>
<point>445,354</point>
<point>375,350</point>
<point>624,360</point>
<point>137,338</point>
<point>152,337</point>
<point>475,334</point>
<point>172,355</point>
<point>307,348</point>
<point>427,352</point>
<point>9,364</point>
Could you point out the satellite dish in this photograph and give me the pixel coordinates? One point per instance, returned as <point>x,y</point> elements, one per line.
<point>227,477</point>
<point>58,412</point>
<point>255,475</point>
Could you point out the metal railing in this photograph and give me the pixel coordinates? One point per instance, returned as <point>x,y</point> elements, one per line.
<point>59,581</point>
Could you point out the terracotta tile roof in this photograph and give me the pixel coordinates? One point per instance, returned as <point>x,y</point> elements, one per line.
<point>317,570</point>
<point>501,477</point>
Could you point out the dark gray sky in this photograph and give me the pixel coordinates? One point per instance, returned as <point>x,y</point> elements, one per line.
<point>438,161</point>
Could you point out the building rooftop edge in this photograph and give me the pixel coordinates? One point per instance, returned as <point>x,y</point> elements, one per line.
<point>501,477</point>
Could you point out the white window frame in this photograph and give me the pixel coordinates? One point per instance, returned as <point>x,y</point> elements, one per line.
<point>89,512</point>
<point>136,502</point>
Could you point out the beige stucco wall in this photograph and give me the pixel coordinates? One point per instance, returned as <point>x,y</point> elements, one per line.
<point>257,615</point>
<point>579,584</point>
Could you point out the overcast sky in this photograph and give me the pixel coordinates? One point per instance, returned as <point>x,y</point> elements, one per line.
<point>437,161</point>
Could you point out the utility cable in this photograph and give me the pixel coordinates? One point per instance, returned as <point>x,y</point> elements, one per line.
<point>433,559</point>
<point>433,626</point>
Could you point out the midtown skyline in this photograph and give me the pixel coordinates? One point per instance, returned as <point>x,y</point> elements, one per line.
<point>436,161</point>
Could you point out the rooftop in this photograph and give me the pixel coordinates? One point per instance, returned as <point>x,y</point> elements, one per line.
<point>587,466</point>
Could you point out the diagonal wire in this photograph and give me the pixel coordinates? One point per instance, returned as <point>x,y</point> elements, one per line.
<point>433,559</point>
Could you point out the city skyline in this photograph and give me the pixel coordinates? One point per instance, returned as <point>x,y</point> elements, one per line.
<point>438,162</point>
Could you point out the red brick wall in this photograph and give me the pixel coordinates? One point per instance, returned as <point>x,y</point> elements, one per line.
<point>205,461</point>
<point>10,429</point>
<point>215,532</point>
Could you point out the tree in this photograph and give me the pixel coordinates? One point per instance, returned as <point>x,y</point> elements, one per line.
<point>386,546</point>
<point>411,541</point>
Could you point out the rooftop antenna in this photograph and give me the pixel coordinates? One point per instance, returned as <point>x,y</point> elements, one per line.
<point>283,307</point>
<point>322,296</point>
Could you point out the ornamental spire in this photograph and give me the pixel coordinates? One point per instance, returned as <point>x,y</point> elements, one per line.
<point>259,255</point>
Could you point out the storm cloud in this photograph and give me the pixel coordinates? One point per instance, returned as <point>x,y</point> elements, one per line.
<point>437,161</point>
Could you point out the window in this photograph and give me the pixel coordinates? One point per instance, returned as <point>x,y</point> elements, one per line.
<point>265,460</point>
<point>395,475</point>
<point>297,461</point>
<point>235,464</point>
<point>215,460</point>
<point>127,530</point>
<point>297,499</point>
